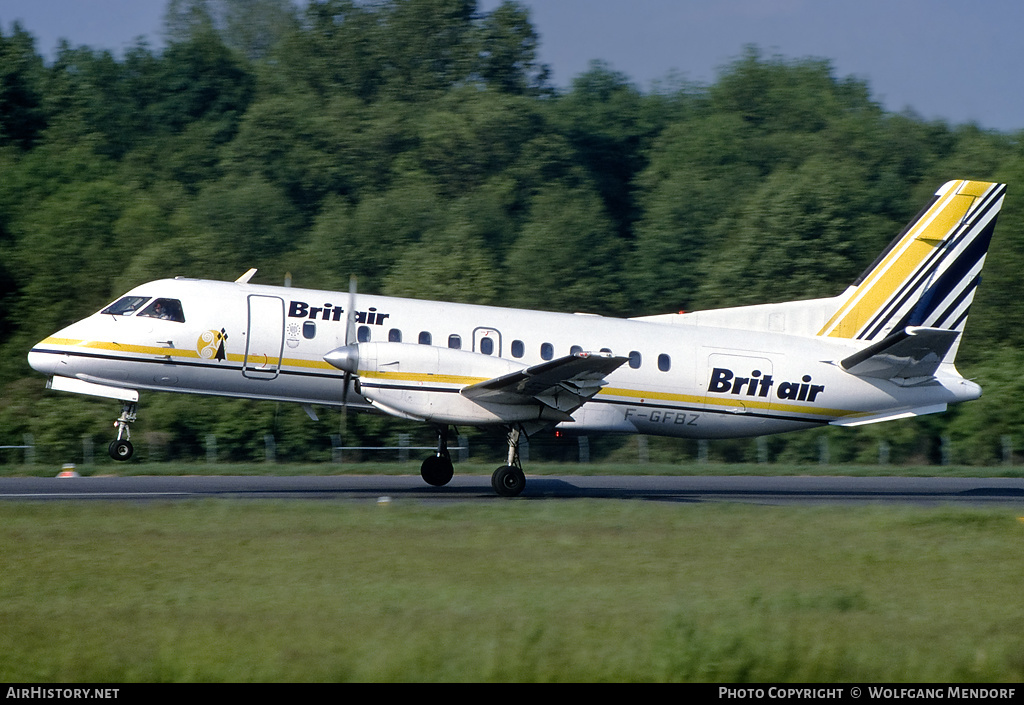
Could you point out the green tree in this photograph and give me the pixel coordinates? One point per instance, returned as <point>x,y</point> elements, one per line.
<point>200,79</point>
<point>508,57</point>
<point>21,112</point>
<point>800,235</point>
<point>605,119</point>
<point>251,27</point>
<point>567,257</point>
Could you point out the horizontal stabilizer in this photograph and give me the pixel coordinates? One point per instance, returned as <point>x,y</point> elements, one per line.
<point>906,354</point>
<point>564,384</point>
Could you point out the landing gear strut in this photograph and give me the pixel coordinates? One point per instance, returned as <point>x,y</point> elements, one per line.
<point>121,448</point>
<point>437,469</point>
<point>509,480</point>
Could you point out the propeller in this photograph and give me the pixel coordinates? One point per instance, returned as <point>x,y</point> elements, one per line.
<point>350,339</point>
<point>346,358</point>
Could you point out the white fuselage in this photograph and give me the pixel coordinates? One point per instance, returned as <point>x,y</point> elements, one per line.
<point>694,381</point>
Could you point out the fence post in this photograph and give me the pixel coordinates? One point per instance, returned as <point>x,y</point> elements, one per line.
<point>883,452</point>
<point>1007,449</point>
<point>211,448</point>
<point>269,448</point>
<point>463,449</point>
<point>702,450</point>
<point>823,454</point>
<point>87,449</point>
<point>643,450</point>
<point>403,447</point>
<point>762,449</point>
<point>30,448</point>
<point>584,443</point>
<point>947,450</point>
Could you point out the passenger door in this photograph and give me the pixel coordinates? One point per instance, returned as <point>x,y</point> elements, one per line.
<point>264,341</point>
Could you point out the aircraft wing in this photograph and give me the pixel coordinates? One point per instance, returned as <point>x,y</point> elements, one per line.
<point>564,384</point>
<point>906,354</point>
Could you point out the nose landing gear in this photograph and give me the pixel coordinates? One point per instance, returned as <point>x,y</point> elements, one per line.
<point>121,448</point>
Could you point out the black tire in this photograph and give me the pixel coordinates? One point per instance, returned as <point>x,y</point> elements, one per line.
<point>121,450</point>
<point>437,470</point>
<point>508,481</point>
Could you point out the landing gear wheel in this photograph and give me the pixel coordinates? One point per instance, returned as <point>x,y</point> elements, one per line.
<point>508,481</point>
<point>437,470</point>
<point>121,449</point>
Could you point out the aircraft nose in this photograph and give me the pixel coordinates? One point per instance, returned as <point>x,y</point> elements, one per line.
<point>44,361</point>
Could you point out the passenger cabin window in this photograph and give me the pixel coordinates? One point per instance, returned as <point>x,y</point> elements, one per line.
<point>425,338</point>
<point>487,346</point>
<point>634,359</point>
<point>165,309</point>
<point>547,351</point>
<point>394,336</point>
<point>575,349</point>
<point>363,334</point>
<point>664,362</point>
<point>518,349</point>
<point>454,342</point>
<point>125,306</point>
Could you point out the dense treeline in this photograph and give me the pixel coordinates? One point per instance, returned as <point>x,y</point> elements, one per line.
<point>419,145</point>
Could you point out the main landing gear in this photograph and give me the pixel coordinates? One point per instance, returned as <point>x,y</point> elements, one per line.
<point>508,480</point>
<point>121,448</point>
<point>437,469</point>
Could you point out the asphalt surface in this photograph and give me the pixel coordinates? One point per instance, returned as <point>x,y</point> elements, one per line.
<point>756,490</point>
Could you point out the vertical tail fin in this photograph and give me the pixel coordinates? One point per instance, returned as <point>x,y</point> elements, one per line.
<point>928,274</point>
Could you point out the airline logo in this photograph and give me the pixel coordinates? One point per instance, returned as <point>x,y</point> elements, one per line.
<point>211,344</point>
<point>757,385</point>
<point>330,312</point>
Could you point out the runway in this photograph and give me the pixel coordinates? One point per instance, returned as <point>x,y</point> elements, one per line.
<point>753,490</point>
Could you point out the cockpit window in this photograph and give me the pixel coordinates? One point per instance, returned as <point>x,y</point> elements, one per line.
<point>167,309</point>
<point>125,306</point>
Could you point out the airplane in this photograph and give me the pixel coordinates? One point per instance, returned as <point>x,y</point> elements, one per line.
<point>883,349</point>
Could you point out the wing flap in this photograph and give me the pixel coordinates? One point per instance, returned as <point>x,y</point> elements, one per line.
<point>564,384</point>
<point>906,354</point>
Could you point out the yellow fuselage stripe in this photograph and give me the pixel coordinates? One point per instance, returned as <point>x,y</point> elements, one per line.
<point>462,380</point>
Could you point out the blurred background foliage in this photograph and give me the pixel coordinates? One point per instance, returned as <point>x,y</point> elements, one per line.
<point>419,145</point>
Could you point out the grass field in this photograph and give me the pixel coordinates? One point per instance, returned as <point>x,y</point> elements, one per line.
<point>603,590</point>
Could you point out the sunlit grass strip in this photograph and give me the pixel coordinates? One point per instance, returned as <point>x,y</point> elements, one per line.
<point>475,467</point>
<point>224,590</point>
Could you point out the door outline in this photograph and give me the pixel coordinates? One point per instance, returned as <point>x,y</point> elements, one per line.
<point>750,377</point>
<point>484,332</point>
<point>264,342</point>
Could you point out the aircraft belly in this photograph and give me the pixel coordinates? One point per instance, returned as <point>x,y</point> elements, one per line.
<point>676,421</point>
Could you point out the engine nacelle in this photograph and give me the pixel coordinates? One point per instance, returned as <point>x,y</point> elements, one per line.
<point>423,382</point>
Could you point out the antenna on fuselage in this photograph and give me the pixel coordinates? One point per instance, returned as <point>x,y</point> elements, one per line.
<point>244,279</point>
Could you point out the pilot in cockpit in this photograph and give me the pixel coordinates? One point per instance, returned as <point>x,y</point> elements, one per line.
<point>166,309</point>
